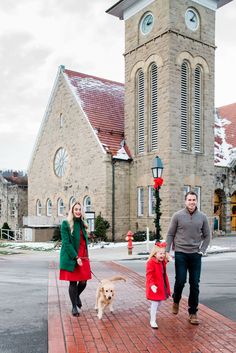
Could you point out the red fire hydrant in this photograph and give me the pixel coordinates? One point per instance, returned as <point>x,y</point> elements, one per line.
<point>129,239</point>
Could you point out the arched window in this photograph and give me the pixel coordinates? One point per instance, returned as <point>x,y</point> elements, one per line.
<point>198,109</point>
<point>154,106</point>
<point>87,204</point>
<point>49,207</point>
<point>72,201</point>
<point>60,207</point>
<point>38,208</point>
<point>140,111</point>
<point>185,108</point>
<point>61,120</point>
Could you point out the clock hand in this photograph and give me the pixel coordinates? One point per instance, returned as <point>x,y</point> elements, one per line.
<point>192,19</point>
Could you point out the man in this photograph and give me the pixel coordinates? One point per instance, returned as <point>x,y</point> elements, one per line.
<point>189,232</point>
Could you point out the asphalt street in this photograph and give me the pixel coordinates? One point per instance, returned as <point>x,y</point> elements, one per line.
<point>218,281</point>
<point>24,300</point>
<point>23,304</point>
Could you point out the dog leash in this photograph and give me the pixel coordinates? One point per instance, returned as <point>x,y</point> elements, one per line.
<point>86,257</point>
<point>96,277</point>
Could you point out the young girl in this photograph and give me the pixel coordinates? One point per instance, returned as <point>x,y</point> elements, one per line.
<point>157,283</point>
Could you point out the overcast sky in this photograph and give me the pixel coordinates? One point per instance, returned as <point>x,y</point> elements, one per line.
<point>36,36</point>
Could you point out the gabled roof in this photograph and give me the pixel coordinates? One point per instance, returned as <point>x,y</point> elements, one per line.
<point>17,180</point>
<point>225,135</point>
<point>103,103</point>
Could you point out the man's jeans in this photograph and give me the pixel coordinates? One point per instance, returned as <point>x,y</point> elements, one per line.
<point>192,263</point>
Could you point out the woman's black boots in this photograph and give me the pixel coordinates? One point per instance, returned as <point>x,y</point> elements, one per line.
<point>73,297</point>
<point>80,287</point>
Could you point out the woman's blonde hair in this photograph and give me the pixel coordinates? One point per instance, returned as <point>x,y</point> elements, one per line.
<point>70,217</point>
<point>156,248</point>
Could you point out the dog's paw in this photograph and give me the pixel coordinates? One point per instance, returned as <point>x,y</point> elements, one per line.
<point>99,316</point>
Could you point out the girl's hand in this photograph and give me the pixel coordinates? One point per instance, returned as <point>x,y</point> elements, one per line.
<point>154,288</point>
<point>79,261</point>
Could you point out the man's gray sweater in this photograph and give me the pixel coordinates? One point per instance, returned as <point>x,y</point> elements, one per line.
<point>188,233</point>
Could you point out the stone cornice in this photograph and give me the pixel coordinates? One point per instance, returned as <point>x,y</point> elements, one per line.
<point>170,31</point>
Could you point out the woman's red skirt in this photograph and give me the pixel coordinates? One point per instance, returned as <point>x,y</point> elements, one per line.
<point>80,273</point>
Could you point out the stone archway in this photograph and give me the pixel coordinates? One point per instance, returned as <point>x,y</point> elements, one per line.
<point>219,210</point>
<point>233,212</point>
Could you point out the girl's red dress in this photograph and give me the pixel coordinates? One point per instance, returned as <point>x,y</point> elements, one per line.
<point>80,273</point>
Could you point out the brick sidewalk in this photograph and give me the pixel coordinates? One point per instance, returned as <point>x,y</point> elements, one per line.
<point>127,330</point>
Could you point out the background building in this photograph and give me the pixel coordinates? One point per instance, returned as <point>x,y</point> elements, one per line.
<point>13,199</point>
<point>97,141</point>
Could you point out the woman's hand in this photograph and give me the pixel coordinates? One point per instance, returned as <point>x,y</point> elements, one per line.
<point>79,261</point>
<point>154,288</point>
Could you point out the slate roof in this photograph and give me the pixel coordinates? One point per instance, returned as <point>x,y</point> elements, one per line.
<point>17,180</point>
<point>225,135</point>
<point>103,103</point>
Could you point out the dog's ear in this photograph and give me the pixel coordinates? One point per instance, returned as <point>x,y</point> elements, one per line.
<point>102,289</point>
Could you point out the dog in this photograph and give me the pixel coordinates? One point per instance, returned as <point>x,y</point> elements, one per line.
<point>105,294</point>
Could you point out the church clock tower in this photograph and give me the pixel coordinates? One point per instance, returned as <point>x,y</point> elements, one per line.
<point>169,102</point>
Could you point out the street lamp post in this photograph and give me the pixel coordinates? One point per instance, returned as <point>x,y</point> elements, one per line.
<point>157,169</point>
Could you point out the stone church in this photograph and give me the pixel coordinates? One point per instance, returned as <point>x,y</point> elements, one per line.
<point>98,138</point>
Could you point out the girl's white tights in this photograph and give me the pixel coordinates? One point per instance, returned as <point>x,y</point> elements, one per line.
<point>153,311</point>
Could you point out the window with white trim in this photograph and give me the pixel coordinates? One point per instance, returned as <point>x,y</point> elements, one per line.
<point>60,207</point>
<point>72,202</point>
<point>61,119</point>
<point>87,204</point>
<point>198,109</point>
<point>197,190</point>
<point>151,201</point>
<point>154,106</point>
<point>185,108</point>
<point>140,201</point>
<point>49,207</point>
<point>140,111</point>
<point>38,208</point>
<point>186,189</point>
<point>12,207</point>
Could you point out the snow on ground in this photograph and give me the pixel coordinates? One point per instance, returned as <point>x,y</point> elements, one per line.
<point>50,246</point>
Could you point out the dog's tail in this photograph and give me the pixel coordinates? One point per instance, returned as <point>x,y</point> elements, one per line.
<point>117,278</point>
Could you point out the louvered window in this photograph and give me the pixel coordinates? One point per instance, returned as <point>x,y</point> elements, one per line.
<point>184,126</point>
<point>140,201</point>
<point>154,106</point>
<point>198,109</point>
<point>140,111</point>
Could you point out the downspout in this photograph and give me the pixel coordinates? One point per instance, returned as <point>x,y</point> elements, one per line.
<point>113,200</point>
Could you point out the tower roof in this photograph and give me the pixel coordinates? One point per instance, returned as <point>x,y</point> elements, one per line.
<point>126,8</point>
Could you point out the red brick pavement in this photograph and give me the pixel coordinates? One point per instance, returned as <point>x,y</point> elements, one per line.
<point>127,330</point>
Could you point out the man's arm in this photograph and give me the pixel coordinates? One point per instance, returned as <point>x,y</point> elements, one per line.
<point>206,233</point>
<point>171,232</point>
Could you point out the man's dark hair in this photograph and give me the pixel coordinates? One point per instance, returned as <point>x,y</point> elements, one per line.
<point>190,193</point>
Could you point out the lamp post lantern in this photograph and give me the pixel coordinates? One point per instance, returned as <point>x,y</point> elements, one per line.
<point>157,169</point>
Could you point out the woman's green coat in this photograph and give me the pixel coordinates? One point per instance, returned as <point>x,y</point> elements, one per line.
<point>70,244</point>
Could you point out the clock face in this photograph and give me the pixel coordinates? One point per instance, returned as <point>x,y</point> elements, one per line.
<point>60,162</point>
<point>147,23</point>
<point>192,19</point>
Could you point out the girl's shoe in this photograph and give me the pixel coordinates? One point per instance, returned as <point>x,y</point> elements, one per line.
<point>153,324</point>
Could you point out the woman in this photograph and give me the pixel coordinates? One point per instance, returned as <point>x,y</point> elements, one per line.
<point>74,261</point>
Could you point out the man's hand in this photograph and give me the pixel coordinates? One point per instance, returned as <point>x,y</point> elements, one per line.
<point>154,288</point>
